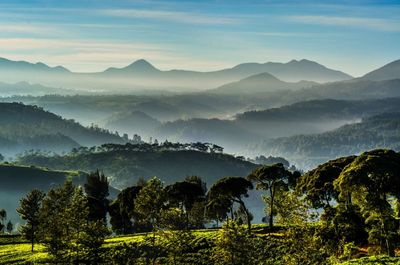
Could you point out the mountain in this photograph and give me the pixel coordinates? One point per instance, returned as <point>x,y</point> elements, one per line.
<point>16,66</point>
<point>248,128</point>
<point>26,127</point>
<point>379,131</point>
<point>139,67</point>
<point>260,83</point>
<point>292,71</point>
<point>386,72</point>
<point>141,76</point>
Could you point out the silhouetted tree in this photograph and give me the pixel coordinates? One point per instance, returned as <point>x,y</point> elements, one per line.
<point>232,189</point>
<point>274,178</point>
<point>96,189</point>
<point>29,210</point>
<point>3,217</point>
<point>122,211</point>
<point>10,227</point>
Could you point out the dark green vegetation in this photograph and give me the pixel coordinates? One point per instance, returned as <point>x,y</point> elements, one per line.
<point>25,127</point>
<point>18,180</point>
<point>381,131</point>
<point>127,163</point>
<point>357,198</point>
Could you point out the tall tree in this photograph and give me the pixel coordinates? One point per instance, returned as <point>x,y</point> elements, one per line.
<point>97,191</point>
<point>29,210</point>
<point>3,217</point>
<point>150,201</point>
<point>274,178</point>
<point>122,211</point>
<point>232,189</point>
<point>184,195</point>
<point>54,221</point>
<point>370,181</point>
<point>317,184</point>
<point>10,227</point>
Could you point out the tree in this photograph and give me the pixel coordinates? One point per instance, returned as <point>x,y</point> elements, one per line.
<point>317,184</point>
<point>369,181</point>
<point>29,210</point>
<point>3,217</point>
<point>66,229</point>
<point>96,189</point>
<point>150,201</point>
<point>122,211</point>
<point>274,179</point>
<point>1,158</point>
<point>232,190</point>
<point>234,246</point>
<point>54,221</point>
<point>149,206</point>
<point>10,227</point>
<point>184,195</point>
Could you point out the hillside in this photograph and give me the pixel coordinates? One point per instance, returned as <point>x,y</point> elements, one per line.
<point>125,167</point>
<point>260,83</point>
<point>314,116</point>
<point>380,131</point>
<point>16,181</point>
<point>386,72</point>
<point>24,127</point>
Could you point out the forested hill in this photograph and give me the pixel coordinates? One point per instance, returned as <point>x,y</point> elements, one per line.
<point>125,167</point>
<point>16,181</point>
<point>25,127</point>
<point>380,131</point>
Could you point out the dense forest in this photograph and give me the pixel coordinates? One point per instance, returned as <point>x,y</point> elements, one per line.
<point>380,131</point>
<point>343,209</point>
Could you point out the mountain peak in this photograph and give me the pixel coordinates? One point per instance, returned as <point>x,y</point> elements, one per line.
<point>386,72</point>
<point>141,65</point>
<point>261,77</point>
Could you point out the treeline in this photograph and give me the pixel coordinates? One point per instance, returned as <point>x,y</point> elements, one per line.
<point>357,197</point>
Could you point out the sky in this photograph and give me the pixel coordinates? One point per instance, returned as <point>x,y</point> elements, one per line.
<point>92,35</point>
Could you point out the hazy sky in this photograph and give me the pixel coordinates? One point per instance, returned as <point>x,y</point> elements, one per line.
<point>91,35</point>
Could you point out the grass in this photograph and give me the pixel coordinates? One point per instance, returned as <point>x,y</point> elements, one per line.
<point>16,250</point>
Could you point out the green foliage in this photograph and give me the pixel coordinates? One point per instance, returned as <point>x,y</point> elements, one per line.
<point>226,192</point>
<point>275,179</point>
<point>234,246</point>
<point>96,189</point>
<point>150,202</point>
<point>29,211</point>
<point>122,211</point>
<point>65,228</point>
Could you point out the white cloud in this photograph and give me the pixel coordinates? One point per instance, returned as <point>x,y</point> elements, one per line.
<point>172,16</point>
<point>379,24</point>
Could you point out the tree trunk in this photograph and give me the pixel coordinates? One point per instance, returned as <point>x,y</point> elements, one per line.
<point>32,237</point>
<point>247,216</point>
<point>271,207</point>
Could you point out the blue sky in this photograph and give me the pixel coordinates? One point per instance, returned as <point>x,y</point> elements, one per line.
<point>91,35</point>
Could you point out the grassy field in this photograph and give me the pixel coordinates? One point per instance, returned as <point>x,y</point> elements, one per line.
<point>15,250</point>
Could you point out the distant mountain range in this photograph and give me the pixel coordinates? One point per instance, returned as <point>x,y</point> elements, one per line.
<point>141,75</point>
<point>315,116</point>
